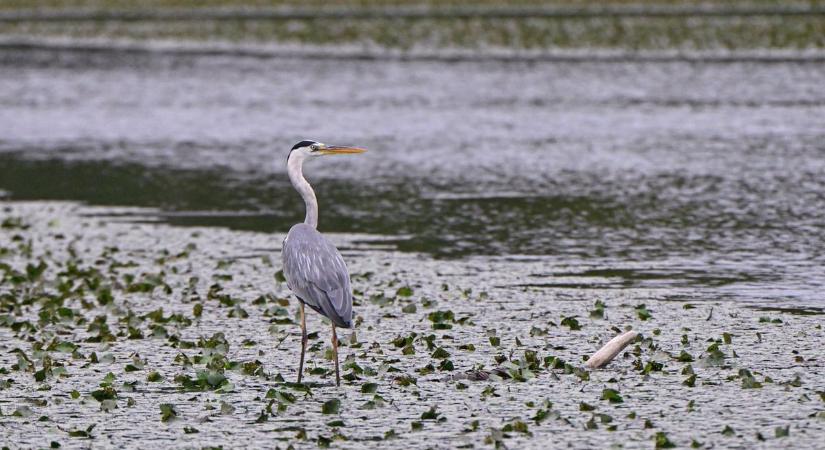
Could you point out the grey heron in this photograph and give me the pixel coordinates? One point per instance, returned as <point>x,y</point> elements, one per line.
<point>314,269</point>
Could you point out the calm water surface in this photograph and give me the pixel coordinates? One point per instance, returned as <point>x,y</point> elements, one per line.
<point>651,174</point>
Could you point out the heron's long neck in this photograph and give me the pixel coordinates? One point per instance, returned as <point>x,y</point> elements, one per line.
<point>296,176</point>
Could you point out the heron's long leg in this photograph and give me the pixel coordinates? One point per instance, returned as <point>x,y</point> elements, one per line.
<point>335,354</point>
<point>303,341</point>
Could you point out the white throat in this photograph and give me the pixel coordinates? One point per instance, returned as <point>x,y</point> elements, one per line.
<point>295,170</point>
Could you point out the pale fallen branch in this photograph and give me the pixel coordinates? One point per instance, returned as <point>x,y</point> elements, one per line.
<point>606,354</point>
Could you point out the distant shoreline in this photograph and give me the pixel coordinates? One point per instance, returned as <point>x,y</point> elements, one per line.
<point>406,26</point>
<point>367,53</point>
<point>449,12</point>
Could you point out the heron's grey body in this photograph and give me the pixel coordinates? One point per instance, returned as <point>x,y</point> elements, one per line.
<point>313,267</point>
<point>317,274</point>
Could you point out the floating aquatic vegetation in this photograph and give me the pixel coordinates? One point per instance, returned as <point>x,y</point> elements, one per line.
<point>765,319</point>
<point>203,380</point>
<point>14,223</point>
<point>652,366</point>
<point>684,357</point>
<point>442,320</point>
<point>571,322</point>
<point>167,412</point>
<point>75,333</point>
<point>661,441</point>
<point>598,310</point>
<point>748,380</point>
<point>714,356</point>
<point>332,406</point>
<point>612,396</point>
<point>642,312</point>
<point>84,433</point>
<point>154,377</point>
<point>404,291</point>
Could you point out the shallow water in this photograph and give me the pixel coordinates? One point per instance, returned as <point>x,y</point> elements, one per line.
<point>664,175</point>
<point>779,351</point>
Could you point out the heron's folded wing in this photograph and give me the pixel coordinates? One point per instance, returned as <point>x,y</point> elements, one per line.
<point>338,306</point>
<point>316,272</point>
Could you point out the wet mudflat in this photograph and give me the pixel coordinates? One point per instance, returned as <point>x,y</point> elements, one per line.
<point>131,333</point>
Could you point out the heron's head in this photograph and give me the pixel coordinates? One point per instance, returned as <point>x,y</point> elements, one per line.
<point>306,149</point>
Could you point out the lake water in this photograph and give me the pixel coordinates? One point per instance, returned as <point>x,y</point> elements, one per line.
<point>539,209</point>
<point>660,174</point>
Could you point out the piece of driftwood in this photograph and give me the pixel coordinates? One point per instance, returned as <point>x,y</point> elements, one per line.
<point>599,359</point>
<point>609,351</point>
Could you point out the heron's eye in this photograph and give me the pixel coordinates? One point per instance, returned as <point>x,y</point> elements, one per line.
<point>313,147</point>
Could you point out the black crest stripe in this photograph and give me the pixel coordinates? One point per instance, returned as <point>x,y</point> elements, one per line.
<point>303,144</point>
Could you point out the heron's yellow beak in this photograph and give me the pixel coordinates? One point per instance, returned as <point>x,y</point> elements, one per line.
<point>340,150</point>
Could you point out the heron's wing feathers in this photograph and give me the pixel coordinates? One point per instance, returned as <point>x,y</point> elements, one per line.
<point>317,274</point>
<point>338,306</point>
